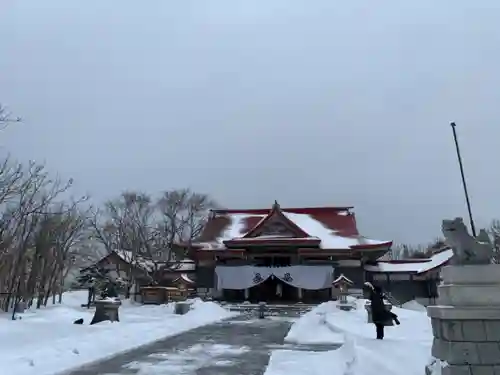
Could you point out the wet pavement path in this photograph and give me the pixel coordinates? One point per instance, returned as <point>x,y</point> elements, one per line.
<point>241,346</point>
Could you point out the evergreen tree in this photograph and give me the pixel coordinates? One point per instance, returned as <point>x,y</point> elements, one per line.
<point>98,281</point>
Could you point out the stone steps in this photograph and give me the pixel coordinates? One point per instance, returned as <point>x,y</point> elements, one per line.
<point>271,309</point>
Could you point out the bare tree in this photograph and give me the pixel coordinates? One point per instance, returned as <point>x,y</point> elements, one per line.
<point>37,234</point>
<point>151,235</point>
<point>68,224</point>
<point>127,227</point>
<point>183,215</point>
<point>6,117</point>
<point>407,251</point>
<point>494,232</point>
<point>402,251</point>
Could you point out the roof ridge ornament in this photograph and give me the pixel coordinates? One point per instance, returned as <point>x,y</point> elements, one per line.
<point>276,206</point>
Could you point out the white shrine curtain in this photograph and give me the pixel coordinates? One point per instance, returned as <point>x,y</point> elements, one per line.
<point>243,277</point>
<point>240,277</point>
<point>306,277</point>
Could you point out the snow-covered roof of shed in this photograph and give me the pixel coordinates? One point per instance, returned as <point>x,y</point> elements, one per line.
<point>183,265</point>
<point>413,265</point>
<point>184,277</point>
<point>129,257</point>
<point>152,265</point>
<point>342,278</point>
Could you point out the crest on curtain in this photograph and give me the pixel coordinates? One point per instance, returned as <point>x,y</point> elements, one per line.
<point>287,277</point>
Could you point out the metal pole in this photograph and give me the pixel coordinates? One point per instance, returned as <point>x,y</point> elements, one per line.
<point>473,227</point>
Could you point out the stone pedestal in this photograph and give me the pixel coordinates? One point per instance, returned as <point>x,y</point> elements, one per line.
<point>262,310</point>
<point>182,308</point>
<point>20,307</point>
<point>106,309</point>
<point>466,321</point>
<point>346,306</point>
<point>343,304</point>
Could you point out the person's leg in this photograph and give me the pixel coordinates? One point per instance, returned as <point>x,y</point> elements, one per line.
<point>380,331</point>
<point>395,318</point>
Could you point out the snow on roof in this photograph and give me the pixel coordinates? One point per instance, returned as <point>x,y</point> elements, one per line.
<point>183,265</point>
<point>214,245</point>
<point>140,262</point>
<point>235,230</point>
<point>330,239</point>
<point>151,265</point>
<point>185,278</point>
<point>342,278</point>
<point>237,227</point>
<point>413,266</point>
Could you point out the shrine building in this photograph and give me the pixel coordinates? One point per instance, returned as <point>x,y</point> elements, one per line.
<point>282,254</point>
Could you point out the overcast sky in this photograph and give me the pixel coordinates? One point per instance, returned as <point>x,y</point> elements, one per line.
<point>308,102</point>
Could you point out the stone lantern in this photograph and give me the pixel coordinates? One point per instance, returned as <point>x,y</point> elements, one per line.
<point>342,284</point>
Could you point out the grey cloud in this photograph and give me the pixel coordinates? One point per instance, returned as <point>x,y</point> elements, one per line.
<point>310,103</point>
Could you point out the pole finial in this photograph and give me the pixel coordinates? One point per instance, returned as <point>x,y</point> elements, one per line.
<point>453,124</point>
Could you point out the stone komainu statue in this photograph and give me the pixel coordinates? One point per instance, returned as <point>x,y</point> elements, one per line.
<point>466,248</point>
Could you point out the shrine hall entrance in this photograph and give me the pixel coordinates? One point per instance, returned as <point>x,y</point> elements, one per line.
<point>273,290</point>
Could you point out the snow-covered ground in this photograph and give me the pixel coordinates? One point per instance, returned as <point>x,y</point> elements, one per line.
<point>46,342</point>
<point>415,306</point>
<point>406,348</point>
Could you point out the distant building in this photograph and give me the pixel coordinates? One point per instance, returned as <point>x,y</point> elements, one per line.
<point>411,279</point>
<point>141,271</point>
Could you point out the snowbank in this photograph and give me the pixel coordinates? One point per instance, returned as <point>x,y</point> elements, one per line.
<point>294,362</point>
<point>313,328</point>
<point>46,341</point>
<point>405,350</point>
<point>415,306</point>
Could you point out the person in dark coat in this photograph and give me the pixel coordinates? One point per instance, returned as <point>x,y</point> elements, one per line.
<point>379,313</point>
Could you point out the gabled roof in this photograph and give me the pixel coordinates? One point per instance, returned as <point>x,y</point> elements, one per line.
<point>144,264</point>
<point>342,279</point>
<point>128,257</point>
<point>185,278</point>
<point>276,213</point>
<point>331,228</point>
<point>416,266</point>
<point>180,266</point>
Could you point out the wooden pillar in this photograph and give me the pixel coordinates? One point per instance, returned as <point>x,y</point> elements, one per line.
<point>299,294</point>
<point>247,294</point>
<point>412,287</point>
<point>363,271</point>
<point>431,284</point>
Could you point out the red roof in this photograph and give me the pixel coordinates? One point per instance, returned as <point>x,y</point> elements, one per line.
<point>331,227</point>
<point>340,219</point>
